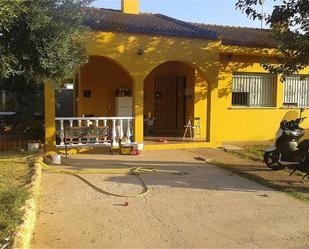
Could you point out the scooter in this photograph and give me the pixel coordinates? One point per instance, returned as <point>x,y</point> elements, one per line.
<point>290,150</point>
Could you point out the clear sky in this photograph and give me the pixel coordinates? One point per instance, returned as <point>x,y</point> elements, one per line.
<point>203,11</point>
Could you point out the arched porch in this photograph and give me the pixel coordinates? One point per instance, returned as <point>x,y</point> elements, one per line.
<point>101,80</point>
<point>174,93</point>
<point>103,97</point>
<point>101,87</point>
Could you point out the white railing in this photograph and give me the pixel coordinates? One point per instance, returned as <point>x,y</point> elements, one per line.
<point>119,128</point>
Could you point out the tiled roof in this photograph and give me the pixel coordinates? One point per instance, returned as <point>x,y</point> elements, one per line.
<point>241,36</point>
<point>155,24</point>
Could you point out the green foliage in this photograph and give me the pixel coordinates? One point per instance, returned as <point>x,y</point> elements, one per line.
<point>41,39</point>
<point>289,24</point>
<point>9,10</point>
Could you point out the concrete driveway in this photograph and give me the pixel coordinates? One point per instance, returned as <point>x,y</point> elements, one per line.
<point>208,207</point>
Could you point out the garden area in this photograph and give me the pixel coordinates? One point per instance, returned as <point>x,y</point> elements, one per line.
<point>15,175</point>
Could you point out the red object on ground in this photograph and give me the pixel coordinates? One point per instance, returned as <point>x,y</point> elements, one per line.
<point>136,151</point>
<point>126,204</point>
<point>161,140</point>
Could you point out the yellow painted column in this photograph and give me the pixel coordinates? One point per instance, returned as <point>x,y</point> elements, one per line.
<point>279,93</point>
<point>50,126</point>
<point>200,104</point>
<point>214,129</point>
<point>215,108</point>
<point>138,109</point>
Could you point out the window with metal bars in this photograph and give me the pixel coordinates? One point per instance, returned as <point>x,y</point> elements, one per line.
<point>253,90</point>
<point>296,91</point>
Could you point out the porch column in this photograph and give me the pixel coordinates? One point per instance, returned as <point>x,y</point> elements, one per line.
<point>215,129</point>
<point>50,127</point>
<point>138,109</point>
<point>200,104</point>
<point>215,106</point>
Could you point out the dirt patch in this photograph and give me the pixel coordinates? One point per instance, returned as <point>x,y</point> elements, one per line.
<point>239,162</point>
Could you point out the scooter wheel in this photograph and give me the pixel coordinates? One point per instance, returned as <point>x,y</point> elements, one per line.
<point>271,159</point>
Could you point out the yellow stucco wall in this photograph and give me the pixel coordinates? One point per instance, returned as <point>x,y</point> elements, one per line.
<point>199,54</point>
<point>242,123</point>
<point>123,48</point>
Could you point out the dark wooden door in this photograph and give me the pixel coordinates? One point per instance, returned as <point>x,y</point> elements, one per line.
<point>169,103</point>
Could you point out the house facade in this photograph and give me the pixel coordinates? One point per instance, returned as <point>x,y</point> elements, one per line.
<point>175,71</point>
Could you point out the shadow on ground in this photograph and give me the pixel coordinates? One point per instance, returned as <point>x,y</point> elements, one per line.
<point>197,175</point>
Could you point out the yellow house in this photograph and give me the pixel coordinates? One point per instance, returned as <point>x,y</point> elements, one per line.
<point>150,64</point>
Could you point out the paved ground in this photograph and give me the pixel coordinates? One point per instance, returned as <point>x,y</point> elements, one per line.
<point>280,179</point>
<point>208,207</point>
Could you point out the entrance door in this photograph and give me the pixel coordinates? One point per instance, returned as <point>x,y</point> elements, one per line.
<point>169,104</point>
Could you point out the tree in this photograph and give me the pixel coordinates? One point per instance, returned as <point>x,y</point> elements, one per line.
<point>9,10</point>
<point>41,39</point>
<point>289,28</point>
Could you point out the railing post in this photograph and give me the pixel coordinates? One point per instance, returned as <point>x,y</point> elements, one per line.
<point>105,124</point>
<point>114,131</point>
<point>129,130</point>
<point>79,125</point>
<point>96,125</point>
<point>71,125</point>
<point>121,129</point>
<point>88,122</point>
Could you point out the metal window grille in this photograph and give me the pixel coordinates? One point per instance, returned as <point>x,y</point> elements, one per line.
<point>254,90</point>
<point>296,91</point>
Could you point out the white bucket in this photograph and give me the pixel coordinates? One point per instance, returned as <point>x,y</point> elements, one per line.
<point>140,146</point>
<point>56,159</point>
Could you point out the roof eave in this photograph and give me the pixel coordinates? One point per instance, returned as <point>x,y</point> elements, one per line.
<point>154,34</point>
<point>249,51</point>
